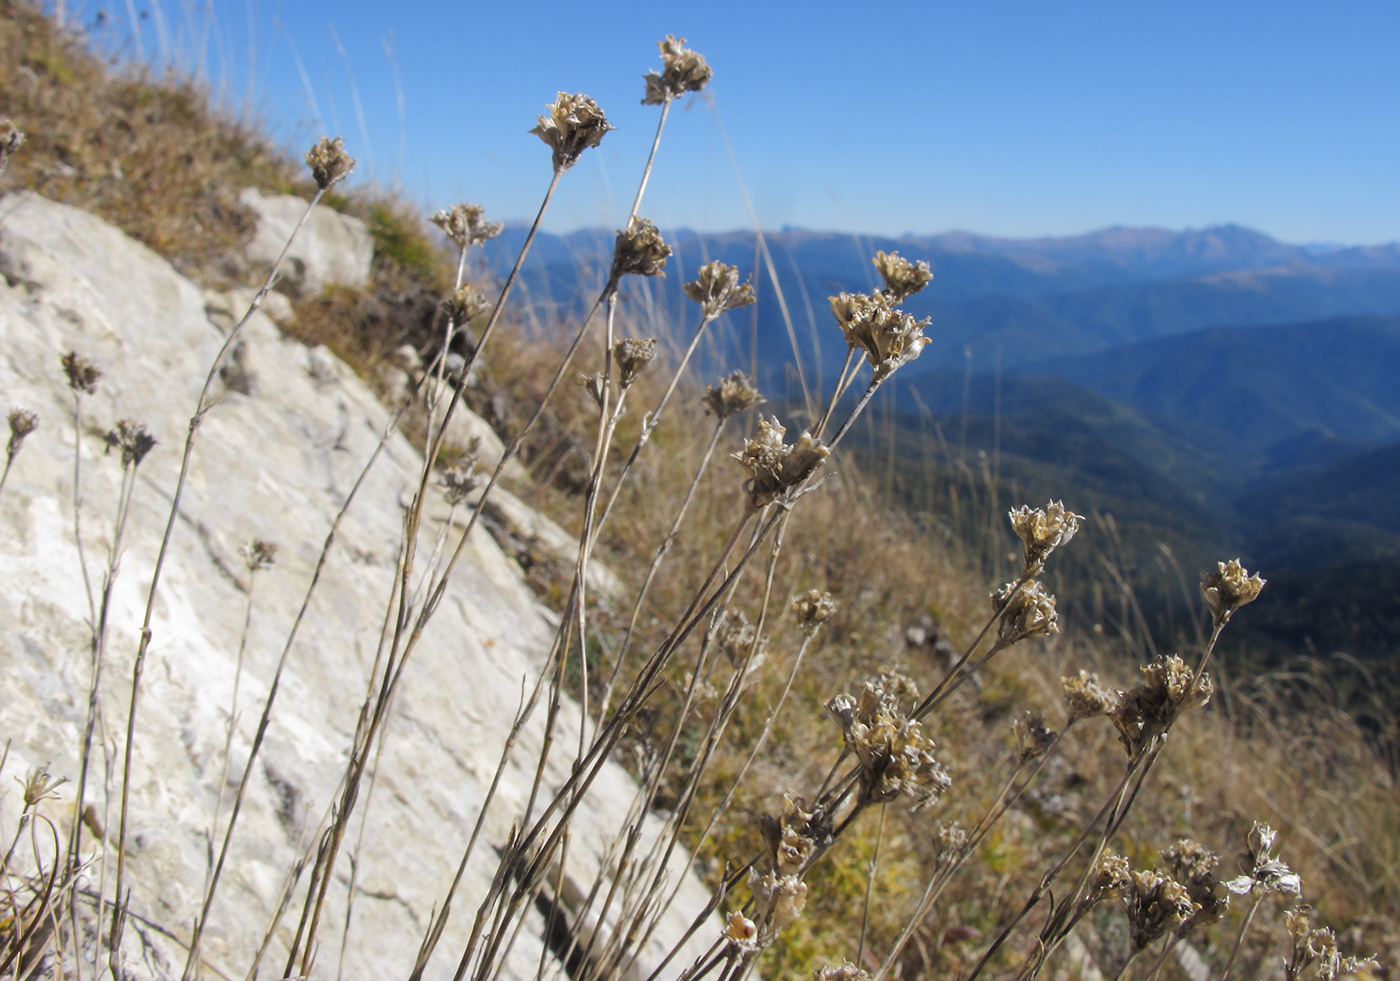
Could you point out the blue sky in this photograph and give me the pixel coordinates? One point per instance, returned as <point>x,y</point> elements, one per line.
<point>1006,117</point>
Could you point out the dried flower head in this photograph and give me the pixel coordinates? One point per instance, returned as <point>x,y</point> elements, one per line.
<point>593,385</point>
<point>777,900</point>
<point>949,841</point>
<point>902,278</point>
<point>258,555</point>
<point>682,71</point>
<point>775,467</point>
<point>890,338</point>
<point>741,931</point>
<point>1110,876</point>
<point>466,304</point>
<point>633,354</point>
<point>132,439</point>
<point>1148,710</point>
<point>734,394</point>
<point>813,608</point>
<point>463,224</point>
<point>1085,697</point>
<point>1042,531</point>
<point>82,373</point>
<point>1025,612</point>
<point>39,785</point>
<point>329,162</point>
<point>1033,737</point>
<point>1194,865</point>
<point>716,288</point>
<point>462,477</point>
<point>639,249</point>
<point>1318,945</point>
<point>574,124</point>
<point>1262,871</point>
<point>845,971</point>
<point>1228,589</point>
<point>794,836</point>
<point>736,638</point>
<point>22,423</point>
<point>11,139</point>
<point>1155,904</point>
<point>896,758</point>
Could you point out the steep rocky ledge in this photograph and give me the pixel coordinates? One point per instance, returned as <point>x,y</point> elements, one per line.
<point>276,464</point>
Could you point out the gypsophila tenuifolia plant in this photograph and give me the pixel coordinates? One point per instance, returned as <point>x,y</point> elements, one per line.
<point>132,439</point>
<point>258,555</point>
<point>889,337</point>
<point>775,468</point>
<point>902,278</point>
<point>633,354</point>
<point>1316,947</point>
<point>82,374</point>
<point>640,250</point>
<point>328,162</point>
<point>1155,904</point>
<point>735,393</point>
<point>683,71</point>
<point>1194,866</point>
<point>1149,709</point>
<point>1262,872</point>
<point>813,608</point>
<point>1228,589</point>
<point>11,139</point>
<point>1042,530</point>
<point>22,423</point>
<point>716,288</point>
<point>574,124</point>
<point>466,304</point>
<point>465,225</point>
<point>1086,698</point>
<point>894,756</point>
<point>1033,737</point>
<point>1026,611</point>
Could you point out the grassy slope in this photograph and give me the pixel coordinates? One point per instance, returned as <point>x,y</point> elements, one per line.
<point>168,172</point>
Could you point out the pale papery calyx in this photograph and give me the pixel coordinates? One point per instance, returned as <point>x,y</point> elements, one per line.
<point>682,71</point>
<point>574,124</point>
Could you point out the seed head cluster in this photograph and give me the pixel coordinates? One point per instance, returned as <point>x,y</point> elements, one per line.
<point>1228,589</point>
<point>466,304</point>
<point>716,288</point>
<point>682,71</point>
<point>889,337</point>
<point>735,393</point>
<point>1155,903</point>
<point>1042,530</point>
<point>574,124</point>
<point>1085,697</point>
<point>329,163</point>
<point>902,278</point>
<point>1262,871</point>
<point>132,439</point>
<point>1194,866</point>
<point>465,226</point>
<point>82,373</point>
<point>258,555</point>
<point>633,354</point>
<point>1147,711</point>
<point>22,423</point>
<point>813,608</point>
<point>640,250</point>
<point>895,757</point>
<point>1318,946</point>
<point>1025,612</point>
<point>775,467</point>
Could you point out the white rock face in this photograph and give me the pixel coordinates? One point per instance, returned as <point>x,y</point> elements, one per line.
<point>275,465</point>
<point>331,247</point>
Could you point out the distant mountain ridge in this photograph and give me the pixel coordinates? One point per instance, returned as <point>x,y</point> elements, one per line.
<point>1010,302</point>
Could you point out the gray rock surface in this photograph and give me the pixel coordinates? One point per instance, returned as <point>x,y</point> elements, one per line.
<point>331,248</point>
<point>276,465</point>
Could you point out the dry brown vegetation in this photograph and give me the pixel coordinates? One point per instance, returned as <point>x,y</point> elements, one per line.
<point>150,157</point>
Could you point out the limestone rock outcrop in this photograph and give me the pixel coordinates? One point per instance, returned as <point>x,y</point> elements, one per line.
<point>275,460</point>
<point>330,249</point>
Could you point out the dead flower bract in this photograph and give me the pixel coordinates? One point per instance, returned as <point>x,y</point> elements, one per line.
<point>682,71</point>
<point>574,124</point>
